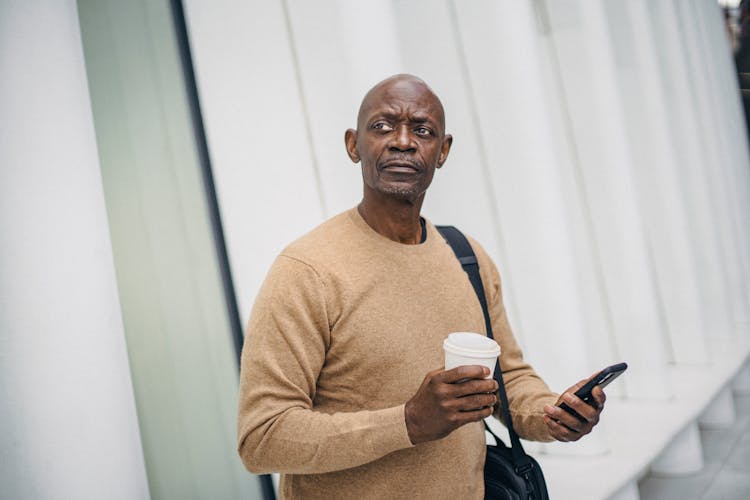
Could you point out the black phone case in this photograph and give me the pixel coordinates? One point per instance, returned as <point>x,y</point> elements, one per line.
<point>602,379</point>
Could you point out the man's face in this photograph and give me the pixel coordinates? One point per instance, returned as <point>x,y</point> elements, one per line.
<point>400,138</point>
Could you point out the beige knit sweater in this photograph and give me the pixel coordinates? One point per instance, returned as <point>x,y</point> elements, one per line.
<point>343,331</point>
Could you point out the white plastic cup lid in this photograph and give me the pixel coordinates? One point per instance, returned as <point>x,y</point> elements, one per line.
<point>472,343</point>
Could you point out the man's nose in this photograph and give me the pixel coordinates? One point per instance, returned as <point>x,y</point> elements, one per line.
<point>403,140</point>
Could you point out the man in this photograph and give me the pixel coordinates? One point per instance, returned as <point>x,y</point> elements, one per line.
<point>341,387</point>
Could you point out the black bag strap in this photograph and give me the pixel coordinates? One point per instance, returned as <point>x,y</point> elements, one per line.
<point>468,259</point>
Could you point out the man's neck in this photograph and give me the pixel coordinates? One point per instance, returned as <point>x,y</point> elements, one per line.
<point>396,219</point>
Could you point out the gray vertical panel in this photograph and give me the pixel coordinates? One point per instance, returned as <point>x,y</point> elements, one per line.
<point>181,353</point>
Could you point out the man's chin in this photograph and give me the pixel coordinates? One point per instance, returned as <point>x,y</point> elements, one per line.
<point>406,193</point>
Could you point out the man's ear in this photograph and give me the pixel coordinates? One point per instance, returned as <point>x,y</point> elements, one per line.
<point>350,140</point>
<point>445,149</point>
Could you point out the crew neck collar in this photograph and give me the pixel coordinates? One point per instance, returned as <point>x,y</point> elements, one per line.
<point>381,240</point>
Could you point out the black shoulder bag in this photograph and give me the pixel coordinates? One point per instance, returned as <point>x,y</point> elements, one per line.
<point>509,473</point>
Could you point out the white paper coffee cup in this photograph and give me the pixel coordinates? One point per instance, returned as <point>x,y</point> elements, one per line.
<point>464,348</point>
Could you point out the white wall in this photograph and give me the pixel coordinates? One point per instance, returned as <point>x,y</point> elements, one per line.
<point>557,168</point>
<point>68,426</point>
<point>566,163</point>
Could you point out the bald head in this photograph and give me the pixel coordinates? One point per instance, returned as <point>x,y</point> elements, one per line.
<point>402,87</point>
<point>400,140</point>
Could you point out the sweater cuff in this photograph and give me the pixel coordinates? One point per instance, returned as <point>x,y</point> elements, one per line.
<point>393,423</point>
<point>531,421</point>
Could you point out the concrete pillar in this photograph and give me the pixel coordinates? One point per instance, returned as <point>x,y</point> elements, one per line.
<point>658,175</point>
<point>719,183</point>
<point>727,106</point>
<point>741,382</point>
<point>720,411</point>
<point>68,425</point>
<point>684,455</point>
<point>627,492</point>
<point>589,89</point>
<point>538,203</point>
<point>685,136</point>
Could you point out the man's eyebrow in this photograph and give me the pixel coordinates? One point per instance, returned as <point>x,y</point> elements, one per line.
<point>394,114</point>
<point>388,115</point>
<point>425,118</point>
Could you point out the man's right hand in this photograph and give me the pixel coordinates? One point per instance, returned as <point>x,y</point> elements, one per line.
<point>448,399</point>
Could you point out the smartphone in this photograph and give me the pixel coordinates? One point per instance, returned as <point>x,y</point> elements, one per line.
<point>601,379</point>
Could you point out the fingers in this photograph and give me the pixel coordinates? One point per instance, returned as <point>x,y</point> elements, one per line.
<point>587,412</point>
<point>562,417</point>
<point>466,380</point>
<point>464,372</point>
<point>470,387</point>
<point>565,426</point>
<point>474,402</point>
<point>559,431</point>
<point>467,417</point>
<point>469,395</point>
<point>448,399</point>
<point>599,397</point>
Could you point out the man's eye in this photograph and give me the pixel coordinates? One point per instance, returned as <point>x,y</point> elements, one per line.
<point>422,131</point>
<point>381,126</point>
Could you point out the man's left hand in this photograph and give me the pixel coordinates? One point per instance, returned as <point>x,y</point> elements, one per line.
<point>566,427</point>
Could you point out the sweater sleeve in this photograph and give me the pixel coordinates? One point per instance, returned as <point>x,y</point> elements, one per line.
<point>527,392</point>
<point>285,347</point>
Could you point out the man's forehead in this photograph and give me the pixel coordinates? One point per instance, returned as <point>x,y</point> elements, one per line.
<point>393,93</point>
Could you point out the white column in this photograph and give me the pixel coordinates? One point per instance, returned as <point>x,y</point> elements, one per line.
<point>527,183</point>
<point>535,197</point>
<point>657,174</point>
<point>68,425</point>
<point>251,85</point>
<point>727,106</point>
<point>589,89</point>
<point>715,160</point>
<point>686,139</point>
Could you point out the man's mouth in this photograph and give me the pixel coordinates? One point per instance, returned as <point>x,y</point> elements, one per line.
<point>400,167</point>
